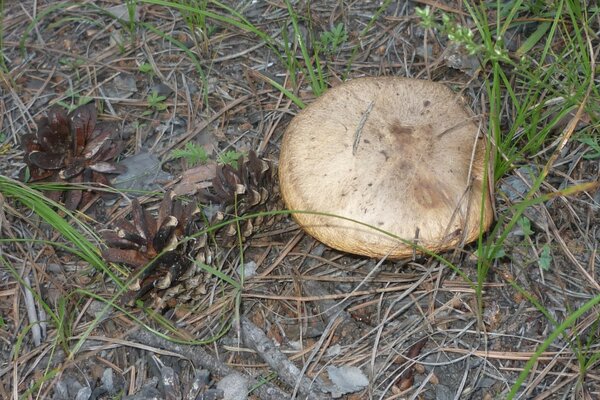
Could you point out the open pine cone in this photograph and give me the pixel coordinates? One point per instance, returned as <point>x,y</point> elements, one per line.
<point>177,275</point>
<point>242,190</point>
<point>157,244</point>
<point>71,148</point>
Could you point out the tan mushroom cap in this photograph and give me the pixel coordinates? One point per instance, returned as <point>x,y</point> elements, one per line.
<point>401,155</point>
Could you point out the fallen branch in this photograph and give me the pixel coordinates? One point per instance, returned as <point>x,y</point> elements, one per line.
<point>256,339</point>
<point>200,358</point>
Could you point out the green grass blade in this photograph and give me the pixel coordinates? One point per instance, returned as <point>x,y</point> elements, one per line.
<point>44,207</point>
<point>560,330</point>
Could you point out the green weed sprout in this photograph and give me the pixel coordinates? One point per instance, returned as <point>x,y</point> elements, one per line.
<point>460,34</point>
<point>192,153</point>
<point>330,41</point>
<point>156,102</point>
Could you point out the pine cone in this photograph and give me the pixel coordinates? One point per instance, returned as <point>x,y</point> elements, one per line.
<point>239,191</point>
<point>177,276</point>
<point>158,245</point>
<point>71,148</point>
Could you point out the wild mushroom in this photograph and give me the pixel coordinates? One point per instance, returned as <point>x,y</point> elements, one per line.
<point>400,155</point>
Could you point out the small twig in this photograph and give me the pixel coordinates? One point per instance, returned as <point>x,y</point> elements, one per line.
<point>256,339</point>
<point>361,125</point>
<point>29,301</point>
<point>457,126</point>
<point>416,243</point>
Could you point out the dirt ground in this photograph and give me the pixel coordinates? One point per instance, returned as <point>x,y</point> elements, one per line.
<point>412,329</point>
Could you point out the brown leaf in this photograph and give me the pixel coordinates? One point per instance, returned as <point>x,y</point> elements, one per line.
<point>195,179</point>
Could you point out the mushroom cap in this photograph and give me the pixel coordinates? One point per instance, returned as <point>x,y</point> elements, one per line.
<point>400,155</point>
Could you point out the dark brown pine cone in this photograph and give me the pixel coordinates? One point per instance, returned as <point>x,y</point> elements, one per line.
<point>71,148</point>
<point>171,265</point>
<point>162,245</point>
<point>242,190</point>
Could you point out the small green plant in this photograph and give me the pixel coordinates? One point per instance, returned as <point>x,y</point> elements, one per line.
<point>196,20</point>
<point>72,63</point>
<point>426,16</point>
<point>76,101</point>
<point>459,34</point>
<point>156,102</point>
<point>145,68</point>
<point>545,258</point>
<point>192,153</point>
<point>229,157</point>
<point>2,137</point>
<point>330,41</point>
<point>131,23</point>
<point>491,252</point>
<point>594,143</point>
<point>312,67</point>
<point>525,226</point>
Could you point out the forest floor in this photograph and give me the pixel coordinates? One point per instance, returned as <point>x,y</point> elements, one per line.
<point>190,86</point>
